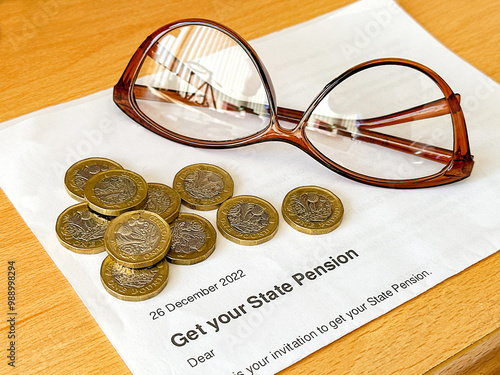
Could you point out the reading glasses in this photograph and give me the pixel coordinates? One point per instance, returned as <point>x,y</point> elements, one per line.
<point>386,122</point>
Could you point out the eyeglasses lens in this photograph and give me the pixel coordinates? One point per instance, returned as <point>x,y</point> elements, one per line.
<point>198,82</point>
<point>387,121</point>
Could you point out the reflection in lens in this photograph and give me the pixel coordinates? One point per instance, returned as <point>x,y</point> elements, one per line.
<point>199,83</point>
<point>388,122</point>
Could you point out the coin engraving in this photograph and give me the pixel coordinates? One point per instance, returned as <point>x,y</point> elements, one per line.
<point>312,210</point>
<point>132,278</point>
<point>157,201</point>
<point>187,236</point>
<point>203,184</point>
<point>247,220</point>
<point>83,175</point>
<point>115,189</point>
<point>312,207</point>
<point>78,174</point>
<point>248,217</point>
<point>81,230</point>
<point>137,239</point>
<point>137,236</point>
<point>163,200</point>
<point>83,226</point>
<point>193,239</point>
<point>133,284</point>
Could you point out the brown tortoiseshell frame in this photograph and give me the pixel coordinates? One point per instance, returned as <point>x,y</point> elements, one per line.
<point>458,164</point>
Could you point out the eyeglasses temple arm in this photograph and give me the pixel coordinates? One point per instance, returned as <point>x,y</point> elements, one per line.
<point>432,109</point>
<point>435,108</point>
<point>157,94</point>
<point>420,149</point>
<point>423,150</point>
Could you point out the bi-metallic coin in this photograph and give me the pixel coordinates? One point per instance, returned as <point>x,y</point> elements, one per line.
<point>247,220</point>
<point>131,284</point>
<point>312,210</point>
<point>163,200</point>
<point>115,192</point>
<point>81,230</point>
<point>203,186</point>
<point>137,239</point>
<point>79,173</point>
<point>193,239</point>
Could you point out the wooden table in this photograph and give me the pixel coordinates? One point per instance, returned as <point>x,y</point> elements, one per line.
<point>53,51</point>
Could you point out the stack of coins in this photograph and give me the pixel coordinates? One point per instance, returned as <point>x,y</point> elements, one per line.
<point>122,214</point>
<point>135,268</point>
<point>140,226</point>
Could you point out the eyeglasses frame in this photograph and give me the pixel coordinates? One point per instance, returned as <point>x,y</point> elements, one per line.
<point>458,168</point>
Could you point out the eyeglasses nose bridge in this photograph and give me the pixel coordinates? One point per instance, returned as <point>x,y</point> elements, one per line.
<point>293,135</point>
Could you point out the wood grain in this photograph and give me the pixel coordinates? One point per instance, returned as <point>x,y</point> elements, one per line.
<point>482,357</point>
<point>53,51</point>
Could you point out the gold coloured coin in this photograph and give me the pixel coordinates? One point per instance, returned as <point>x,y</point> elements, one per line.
<point>129,284</point>
<point>312,210</point>
<point>137,239</point>
<point>163,200</point>
<point>193,239</point>
<point>81,230</point>
<point>79,173</point>
<point>115,192</point>
<point>203,186</point>
<point>247,220</point>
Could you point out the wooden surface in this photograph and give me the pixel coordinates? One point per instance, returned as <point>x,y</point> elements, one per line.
<point>482,357</point>
<point>53,51</point>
